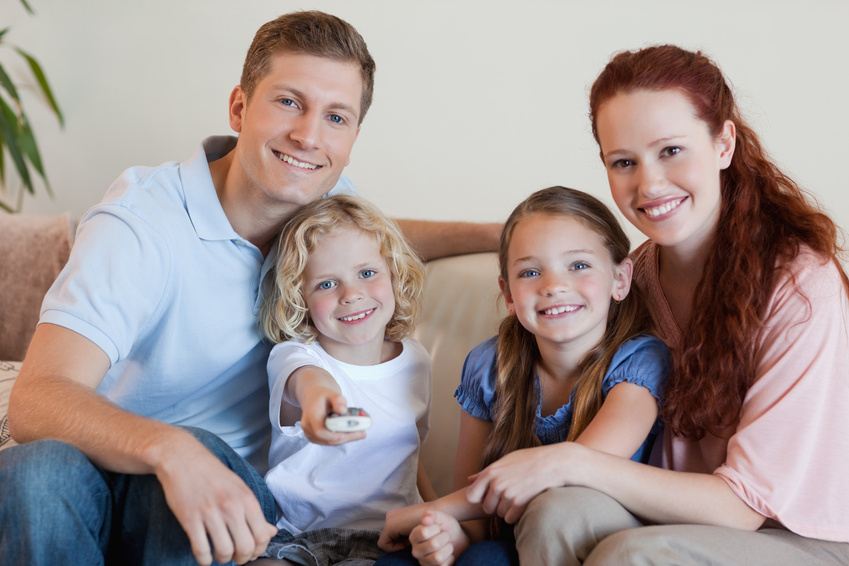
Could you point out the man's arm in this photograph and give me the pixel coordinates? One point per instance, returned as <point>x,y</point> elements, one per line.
<point>432,240</point>
<point>54,397</point>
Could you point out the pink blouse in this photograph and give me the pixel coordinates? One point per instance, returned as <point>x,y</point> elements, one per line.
<point>788,456</point>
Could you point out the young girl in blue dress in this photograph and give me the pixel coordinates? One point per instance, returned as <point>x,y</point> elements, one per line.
<point>571,363</point>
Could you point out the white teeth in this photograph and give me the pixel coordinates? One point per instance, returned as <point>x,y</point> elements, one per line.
<point>356,316</point>
<point>292,161</point>
<point>662,209</point>
<point>559,310</point>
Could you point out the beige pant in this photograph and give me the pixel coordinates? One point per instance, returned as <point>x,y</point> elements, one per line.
<point>576,525</point>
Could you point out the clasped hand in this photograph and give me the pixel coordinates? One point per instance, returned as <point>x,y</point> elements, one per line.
<point>506,486</point>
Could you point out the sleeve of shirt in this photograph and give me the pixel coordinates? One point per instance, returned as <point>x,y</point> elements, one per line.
<point>643,361</point>
<point>284,359</point>
<point>476,391</point>
<point>787,458</point>
<point>114,281</point>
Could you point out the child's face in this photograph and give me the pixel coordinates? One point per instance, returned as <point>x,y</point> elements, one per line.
<point>348,290</point>
<point>561,280</point>
<point>663,165</point>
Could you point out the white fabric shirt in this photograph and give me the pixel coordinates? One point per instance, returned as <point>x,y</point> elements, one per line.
<point>355,484</point>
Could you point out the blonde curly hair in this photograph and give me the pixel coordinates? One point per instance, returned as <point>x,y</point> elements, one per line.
<point>284,314</point>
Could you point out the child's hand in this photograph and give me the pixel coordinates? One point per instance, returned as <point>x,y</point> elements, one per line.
<point>507,486</point>
<point>318,403</point>
<point>438,540</point>
<point>399,523</point>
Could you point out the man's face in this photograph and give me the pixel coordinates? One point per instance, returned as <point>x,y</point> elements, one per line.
<point>297,130</point>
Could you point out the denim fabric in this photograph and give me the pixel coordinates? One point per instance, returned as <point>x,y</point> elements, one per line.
<point>57,507</point>
<point>484,553</point>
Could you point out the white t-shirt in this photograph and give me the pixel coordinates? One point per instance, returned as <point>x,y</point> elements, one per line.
<point>355,484</point>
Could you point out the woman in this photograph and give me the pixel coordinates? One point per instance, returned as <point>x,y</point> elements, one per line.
<point>743,282</point>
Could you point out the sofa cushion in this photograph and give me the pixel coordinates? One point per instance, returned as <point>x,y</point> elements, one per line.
<point>33,249</point>
<point>8,373</point>
<point>460,309</point>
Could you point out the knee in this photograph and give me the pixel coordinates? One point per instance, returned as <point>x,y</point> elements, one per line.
<point>44,473</point>
<point>632,546</point>
<point>563,525</point>
<point>555,509</point>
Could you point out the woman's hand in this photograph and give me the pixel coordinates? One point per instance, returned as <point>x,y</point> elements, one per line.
<point>507,486</point>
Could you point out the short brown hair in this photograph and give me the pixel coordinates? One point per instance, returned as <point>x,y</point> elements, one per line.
<point>312,33</point>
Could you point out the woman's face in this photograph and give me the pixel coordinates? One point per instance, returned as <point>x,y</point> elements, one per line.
<point>663,165</point>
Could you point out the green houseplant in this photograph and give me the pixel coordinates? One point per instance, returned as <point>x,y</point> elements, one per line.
<point>16,136</point>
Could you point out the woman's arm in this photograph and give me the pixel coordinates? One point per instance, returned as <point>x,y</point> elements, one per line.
<point>619,429</point>
<point>657,495</point>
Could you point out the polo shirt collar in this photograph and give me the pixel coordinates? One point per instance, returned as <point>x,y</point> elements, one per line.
<point>202,202</point>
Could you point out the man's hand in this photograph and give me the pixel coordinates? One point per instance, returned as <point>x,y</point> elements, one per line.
<point>213,504</point>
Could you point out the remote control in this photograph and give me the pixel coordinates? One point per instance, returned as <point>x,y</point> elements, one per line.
<point>352,420</point>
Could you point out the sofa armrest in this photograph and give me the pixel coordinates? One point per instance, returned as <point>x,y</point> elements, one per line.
<point>33,249</point>
<point>460,309</point>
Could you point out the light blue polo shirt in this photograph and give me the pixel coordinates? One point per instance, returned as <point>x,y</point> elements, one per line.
<point>161,282</point>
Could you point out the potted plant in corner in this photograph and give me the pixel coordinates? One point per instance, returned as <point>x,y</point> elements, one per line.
<point>16,136</point>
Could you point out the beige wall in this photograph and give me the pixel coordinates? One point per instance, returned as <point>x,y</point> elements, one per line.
<point>478,102</point>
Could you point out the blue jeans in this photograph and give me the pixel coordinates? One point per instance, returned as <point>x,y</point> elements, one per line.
<point>57,507</point>
<point>484,553</point>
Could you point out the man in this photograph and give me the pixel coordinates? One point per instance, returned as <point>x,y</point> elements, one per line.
<point>151,327</point>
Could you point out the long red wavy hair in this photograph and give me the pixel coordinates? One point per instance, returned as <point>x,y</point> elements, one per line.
<point>764,219</point>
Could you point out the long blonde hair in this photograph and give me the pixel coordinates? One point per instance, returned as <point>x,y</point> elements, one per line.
<point>517,356</point>
<point>284,312</point>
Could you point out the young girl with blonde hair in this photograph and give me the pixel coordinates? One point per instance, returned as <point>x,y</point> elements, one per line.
<point>570,364</point>
<point>340,303</point>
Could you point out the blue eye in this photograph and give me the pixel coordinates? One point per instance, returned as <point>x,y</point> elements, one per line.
<point>366,273</point>
<point>287,102</point>
<point>578,266</point>
<point>336,119</point>
<point>529,273</point>
<point>324,285</point>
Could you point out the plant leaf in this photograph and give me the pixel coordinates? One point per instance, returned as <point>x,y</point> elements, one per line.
<point>10,130</point>
<point>2,163</point>
<point>30,150</point>
<point>42,82</point>
<point>28,7</point>
<point>7,84</point>
<point>3,32</point>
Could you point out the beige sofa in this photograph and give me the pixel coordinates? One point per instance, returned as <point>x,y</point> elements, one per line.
<point>460,310</point>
